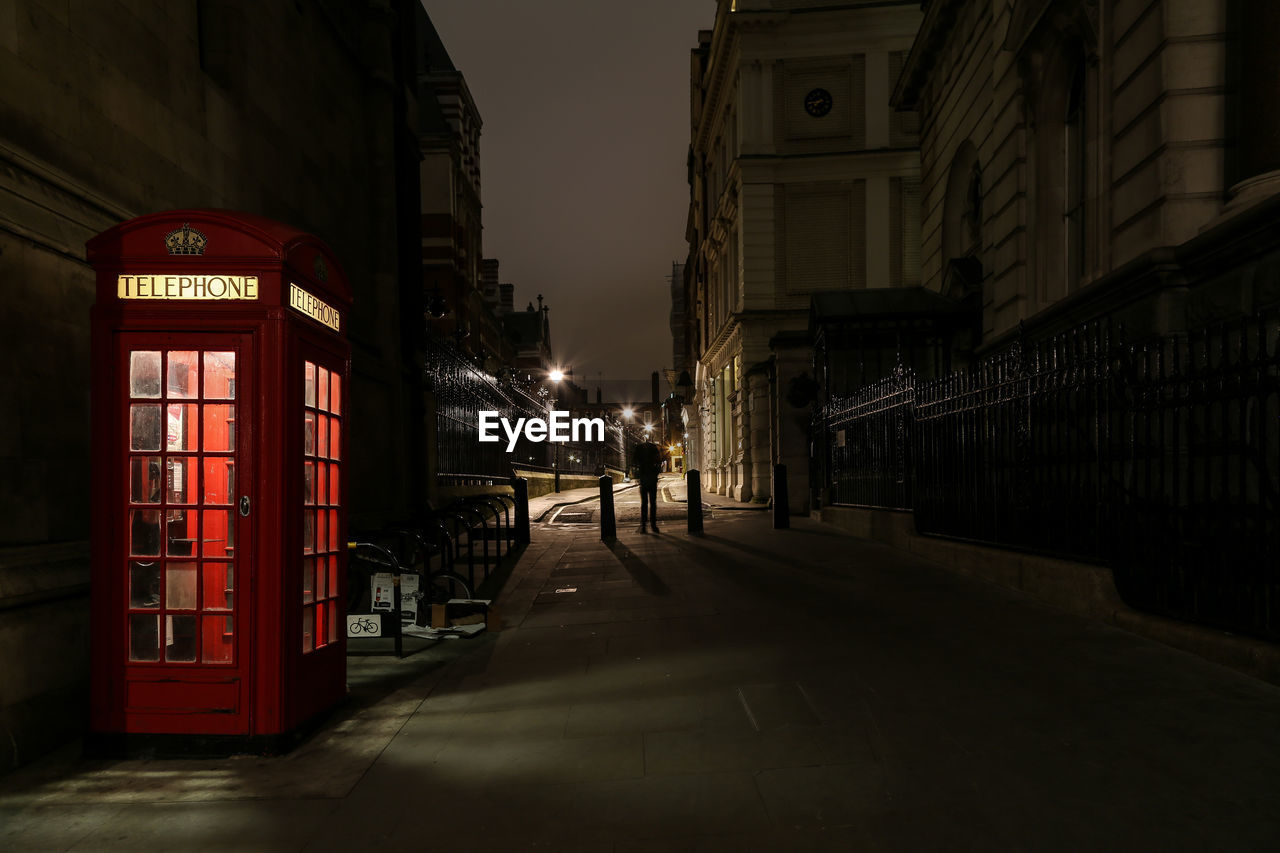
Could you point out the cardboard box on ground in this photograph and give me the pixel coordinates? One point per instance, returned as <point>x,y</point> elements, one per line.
<point>466,611</point>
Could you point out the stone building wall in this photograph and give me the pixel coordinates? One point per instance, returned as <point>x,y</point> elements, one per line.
<point>1165,137</point>
<point>1097,132</point>
<point>971,115</point>
<point>113,109</point>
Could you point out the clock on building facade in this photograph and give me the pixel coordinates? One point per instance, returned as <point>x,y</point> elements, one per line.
<point>817,103</point>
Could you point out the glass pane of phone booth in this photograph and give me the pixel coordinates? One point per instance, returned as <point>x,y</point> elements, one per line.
<point>321,442</point>
<point>181,531</point>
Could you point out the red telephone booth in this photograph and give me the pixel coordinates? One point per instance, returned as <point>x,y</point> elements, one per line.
<point>220,377</point>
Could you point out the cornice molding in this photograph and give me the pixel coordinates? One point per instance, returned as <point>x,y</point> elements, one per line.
<point>46,206</point>
<point>934,30</point>
<point>452,83</point>
<point>715,350</point>
<point>723,39</point>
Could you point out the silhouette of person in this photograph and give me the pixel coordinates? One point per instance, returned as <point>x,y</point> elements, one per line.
<point>648,464</point>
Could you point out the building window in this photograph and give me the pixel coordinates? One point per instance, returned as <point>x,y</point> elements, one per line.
<point>962,206</point>
<point>1062,129</point>
<point>904,232</point>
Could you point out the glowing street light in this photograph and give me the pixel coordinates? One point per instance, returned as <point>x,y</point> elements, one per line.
<point>628,413</point>
<point>555,376</point>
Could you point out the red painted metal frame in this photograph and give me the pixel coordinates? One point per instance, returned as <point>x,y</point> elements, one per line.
<point>279,688</point>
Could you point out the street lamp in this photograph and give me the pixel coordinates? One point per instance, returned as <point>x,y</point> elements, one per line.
<point>628,414</point>
<point>556,375</point>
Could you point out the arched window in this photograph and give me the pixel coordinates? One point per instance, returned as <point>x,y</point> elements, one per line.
<point>971,218</point>
<point>962,224</point>
<point>962,207</point>
<point>1061,154</point>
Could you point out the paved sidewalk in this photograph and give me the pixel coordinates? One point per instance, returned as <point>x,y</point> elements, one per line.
<point>677,489</point>
<point>748,690</point>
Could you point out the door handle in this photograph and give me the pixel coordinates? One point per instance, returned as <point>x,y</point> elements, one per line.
<point>244,506</point>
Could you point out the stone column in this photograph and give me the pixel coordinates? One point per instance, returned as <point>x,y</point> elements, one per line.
<point>743,447</point>
<point>723,452</point>
<point>760,462</point>
<point>793,362</point>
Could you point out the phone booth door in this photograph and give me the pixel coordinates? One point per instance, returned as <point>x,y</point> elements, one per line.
<point>186,530</point>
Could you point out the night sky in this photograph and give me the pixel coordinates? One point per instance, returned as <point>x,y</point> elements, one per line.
<point>585,105</point>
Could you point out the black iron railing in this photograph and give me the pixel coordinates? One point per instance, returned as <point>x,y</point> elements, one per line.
<point>1160,459</point>
<point>461,391</point>
<point>1200,518</point>
<point>1016,451</point>
<point>868,438</point>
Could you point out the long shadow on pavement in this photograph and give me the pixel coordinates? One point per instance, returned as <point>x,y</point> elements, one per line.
<point>645,576</point>
<point>753,550</point>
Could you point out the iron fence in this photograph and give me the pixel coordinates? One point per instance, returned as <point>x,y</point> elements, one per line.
<point>1201,454</point>
<point>461,390</point>
<point>869,433</point>
<point>1015,451</point>
<point>1160,459</point>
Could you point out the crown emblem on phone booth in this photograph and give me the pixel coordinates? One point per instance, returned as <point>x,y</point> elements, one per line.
<point>185,241</point>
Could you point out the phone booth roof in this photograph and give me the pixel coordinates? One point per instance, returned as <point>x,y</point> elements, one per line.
<point>192,241</point>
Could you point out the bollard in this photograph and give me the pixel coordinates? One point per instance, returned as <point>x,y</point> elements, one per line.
<point>608,524</point>
<point>781,504</point>
<point>521,487</point>
<point>694,482</point>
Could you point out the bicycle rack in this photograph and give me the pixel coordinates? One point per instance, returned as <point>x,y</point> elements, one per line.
<point>370,553</point>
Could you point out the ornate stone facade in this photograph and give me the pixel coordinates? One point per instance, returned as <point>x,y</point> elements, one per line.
<point>802,180</point>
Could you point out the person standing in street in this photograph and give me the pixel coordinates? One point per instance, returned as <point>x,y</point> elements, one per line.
<point>648,464</point>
